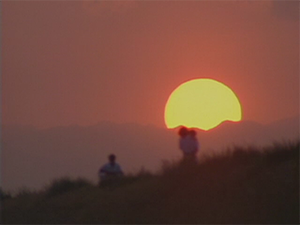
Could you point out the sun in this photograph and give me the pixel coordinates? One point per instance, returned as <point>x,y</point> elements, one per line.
<point>202,103</point>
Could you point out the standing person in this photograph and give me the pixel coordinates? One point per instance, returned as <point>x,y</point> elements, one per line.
<point>110,172</point>
<point>195,145</point>
<point>188,144</point>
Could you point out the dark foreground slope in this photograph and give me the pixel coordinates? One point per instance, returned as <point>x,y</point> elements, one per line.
<point>244,186</point>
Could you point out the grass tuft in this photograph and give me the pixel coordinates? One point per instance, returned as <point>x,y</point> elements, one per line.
<point>65,184</point>
<point>4,194</point>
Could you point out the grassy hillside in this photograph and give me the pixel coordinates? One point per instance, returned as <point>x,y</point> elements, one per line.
<point>244,185</point>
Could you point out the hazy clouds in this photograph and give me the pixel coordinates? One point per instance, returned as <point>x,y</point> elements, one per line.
<point>103,8</point>
<point>70,62</point>
<point>286,9</point>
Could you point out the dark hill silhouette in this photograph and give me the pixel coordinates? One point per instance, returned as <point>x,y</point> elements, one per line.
<point>245,186</point>
<point>31,157</point>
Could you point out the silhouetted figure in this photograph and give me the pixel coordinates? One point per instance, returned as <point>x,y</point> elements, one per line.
<point>188,144</point>
<point>110,172</point>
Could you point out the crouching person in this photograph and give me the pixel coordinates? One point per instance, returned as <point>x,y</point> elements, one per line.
<point>111,173</point>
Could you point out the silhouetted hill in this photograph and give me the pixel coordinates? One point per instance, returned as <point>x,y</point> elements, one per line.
<point>31,157</point>
<point>244,186</point>
<point>251,133</point>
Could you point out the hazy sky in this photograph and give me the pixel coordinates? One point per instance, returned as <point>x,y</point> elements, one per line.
<point>72,62</point>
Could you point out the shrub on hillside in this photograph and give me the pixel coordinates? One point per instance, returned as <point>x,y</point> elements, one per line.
<point>282,151</point>
<point>4,194</point>
<point>168,167</point>
<point>141,175</point>
<point>24,191</point>
<point>65,184</point>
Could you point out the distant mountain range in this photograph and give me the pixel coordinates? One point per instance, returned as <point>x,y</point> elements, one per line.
<point>250,133</point>
<point>33,157</point>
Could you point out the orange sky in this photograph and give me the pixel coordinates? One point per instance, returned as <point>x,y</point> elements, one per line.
<point>71,62</point>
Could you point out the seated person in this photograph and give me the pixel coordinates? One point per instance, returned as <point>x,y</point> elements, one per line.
<point>110,171</point>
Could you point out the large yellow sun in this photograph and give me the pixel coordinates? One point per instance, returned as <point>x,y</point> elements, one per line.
<point>203,104</point>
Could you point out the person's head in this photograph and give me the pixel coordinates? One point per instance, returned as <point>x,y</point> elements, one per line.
<point>112,158</point>
<point>193,133</point>
<point>183,131</point>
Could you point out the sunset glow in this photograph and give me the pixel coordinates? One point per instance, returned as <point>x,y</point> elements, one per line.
<point>203,104</point>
